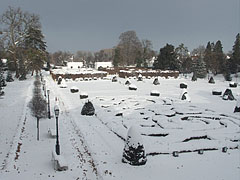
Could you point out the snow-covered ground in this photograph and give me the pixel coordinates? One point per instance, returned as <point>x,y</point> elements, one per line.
<point>93,145</point>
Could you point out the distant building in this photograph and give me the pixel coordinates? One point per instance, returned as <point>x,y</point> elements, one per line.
<point>103,65</point>
<point>74,65</point>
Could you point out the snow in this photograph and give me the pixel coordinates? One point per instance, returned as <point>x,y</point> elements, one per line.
<point>93,145</point>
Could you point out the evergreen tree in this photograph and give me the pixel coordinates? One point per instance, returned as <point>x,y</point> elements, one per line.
<point>235,60</point>
<point>9,77</point>
<point>117,57</point>
<point>199,68</point>
<point>208,56</point>
<point>219,58</point>
<point>35,49</point>
<point>167,59</point>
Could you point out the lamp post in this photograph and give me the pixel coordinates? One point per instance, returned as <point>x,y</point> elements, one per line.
<point>49,115</point>
<point>44,84</point>
<point>56,110</point>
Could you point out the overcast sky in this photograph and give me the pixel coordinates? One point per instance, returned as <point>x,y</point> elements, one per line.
<point>72,25</point>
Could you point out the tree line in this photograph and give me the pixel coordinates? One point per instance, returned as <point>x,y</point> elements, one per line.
<point>22,43</point>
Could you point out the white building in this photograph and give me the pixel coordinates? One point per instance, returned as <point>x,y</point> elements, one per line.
<point>74,65</point>
<point>103,65</point>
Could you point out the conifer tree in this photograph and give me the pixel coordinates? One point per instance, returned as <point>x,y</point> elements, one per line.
<point>208,56</point>
<point>167,59</point>
<point>199,68</point>
<point>235,60</point>
<point>35,49</point>
<point>219,58</point>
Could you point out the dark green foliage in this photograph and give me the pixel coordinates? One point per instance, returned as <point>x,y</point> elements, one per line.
<point>167,59</point>
<point>9,77</point>
<point>235,59</point>
<point>228,95</point>
<point>134,153</point>
<point>208,56</point>
<point>88,109</point>
<point>199,68</point>
<point>194,77</point>
<point>117,57</point>
<point>35,49</point>
<point>211,80</point>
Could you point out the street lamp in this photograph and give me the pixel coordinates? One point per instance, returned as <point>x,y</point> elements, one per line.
<point>44,87</point>
<point>49,115</point>
<point>56,110</point>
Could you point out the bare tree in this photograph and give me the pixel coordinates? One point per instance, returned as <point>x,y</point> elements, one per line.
<point>130,46</point>
<point>16,23</point>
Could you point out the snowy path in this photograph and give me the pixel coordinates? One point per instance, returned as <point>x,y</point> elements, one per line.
<point>13,116</point>
<point>31,158</point>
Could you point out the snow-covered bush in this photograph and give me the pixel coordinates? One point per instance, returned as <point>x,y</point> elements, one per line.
<point>83,95</point>
<point>63,84</point>
<point>183,85</point>
<point>211,80</point>
<point>88,109</point>
<point>127,82</point>
<point>232,84</point>
<point>228,95</point>
<point>59,80</point>
<point>237,107</point>
<point>216,92</point>
<point>194,77</point>
<point>140,77</point>
<point>9,77</point>
<point>184,95</point>
<point>156,81</point>
<point>154,93</point>
<point>134,153</point>
<point>74,89</point>
<point>114,79</point>
<point>132,87</point>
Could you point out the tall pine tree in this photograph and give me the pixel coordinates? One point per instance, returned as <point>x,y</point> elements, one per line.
<point>35,49</point>
<point>235,59</point>
<point>219,58</point>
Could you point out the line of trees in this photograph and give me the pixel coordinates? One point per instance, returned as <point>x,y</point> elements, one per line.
<point>22,42</point>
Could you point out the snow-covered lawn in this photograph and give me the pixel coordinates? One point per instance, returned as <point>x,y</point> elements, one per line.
<point>93,145</point>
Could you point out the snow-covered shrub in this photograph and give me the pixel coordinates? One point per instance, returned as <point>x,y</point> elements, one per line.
<point>134,153</point>
<point>88,109</point>
<point>154,93</point>
<point>232,84</point>
<point>237,107</point>
<point>194,77</point>
<point>74,89</point>
<point>140,77</point>
<point>183,85</point>
<point>228,95</point>
<point>114,79</point>
<point>59,80</point>
<point>63,84</point>
<point>184,95</point>
<point>83,95</point>
<point>211,80</point>
<point>216,92</point>
<point>9,77</point>
<point>132,87</point>
<point>127,82</point>
<point>156,81</point>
